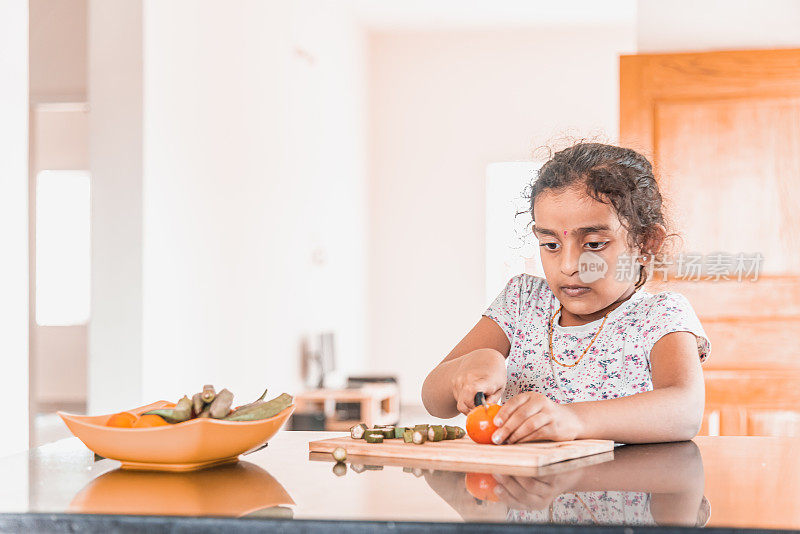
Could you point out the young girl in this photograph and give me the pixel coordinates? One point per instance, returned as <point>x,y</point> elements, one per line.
<point>584,352</point>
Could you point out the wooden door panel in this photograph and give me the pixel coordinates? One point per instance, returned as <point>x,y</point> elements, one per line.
<point>723,132</point>
<point>767,297</point>
<point>754,145</point>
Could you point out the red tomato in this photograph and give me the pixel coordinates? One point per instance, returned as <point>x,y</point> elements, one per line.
<point>480,423</point>
<point>481,486</point>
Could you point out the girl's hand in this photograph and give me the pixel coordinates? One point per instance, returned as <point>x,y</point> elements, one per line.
<point>534,493</point>
<point>532,417</point>
<point>482,370</point>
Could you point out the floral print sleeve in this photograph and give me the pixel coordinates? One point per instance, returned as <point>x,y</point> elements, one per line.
<point>506,308</point>
<point>672,312</point>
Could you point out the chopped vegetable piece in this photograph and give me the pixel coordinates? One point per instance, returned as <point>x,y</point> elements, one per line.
<point>340,469</point>
<point>358,431</point>
<point>421,428</point>
<point>460,432</point>
<point>398,431</point>
<point>419,437</point>
<point>358,468</point>
<point>436,433</point>
<point>408,436</point>
<point>388,433</point>
<point>450,432</point>
<point>373,467</point>
<point>339,454</point>
<point>374,438</point>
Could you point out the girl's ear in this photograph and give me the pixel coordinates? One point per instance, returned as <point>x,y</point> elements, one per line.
<point>654,240</point>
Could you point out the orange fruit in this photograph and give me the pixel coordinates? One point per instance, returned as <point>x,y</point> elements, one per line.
<point>122,420</point>
<point>480,423</point>
<point>149,421</point>
<point>481,486</point>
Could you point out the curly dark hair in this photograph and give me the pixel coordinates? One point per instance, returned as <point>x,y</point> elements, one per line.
<point>613,175</point>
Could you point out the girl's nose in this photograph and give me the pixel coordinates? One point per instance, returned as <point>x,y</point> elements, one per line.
<point>569,259</point>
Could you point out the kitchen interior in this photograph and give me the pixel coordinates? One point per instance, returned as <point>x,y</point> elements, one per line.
<point>319,197</point>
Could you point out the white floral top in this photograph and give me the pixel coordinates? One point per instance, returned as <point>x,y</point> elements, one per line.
<point>593,507</point>
<point>618,362</point>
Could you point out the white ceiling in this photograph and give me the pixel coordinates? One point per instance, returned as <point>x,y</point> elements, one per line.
<point>437,14</point>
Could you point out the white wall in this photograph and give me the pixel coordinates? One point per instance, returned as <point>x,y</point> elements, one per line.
<point>701,25</point>
<point>14,318</point>
<point>115,145</point>
<point>443,105</point>
<point>253,143</point>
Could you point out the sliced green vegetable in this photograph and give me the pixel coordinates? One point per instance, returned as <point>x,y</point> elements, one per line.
<point>408,436</point>
<point>398,432</point>
<point>374,438</point>
<point>419,437</point>
<point>358,431</point>
<point>340,469</point>
<point>339,454</point>
<point>436,433</point>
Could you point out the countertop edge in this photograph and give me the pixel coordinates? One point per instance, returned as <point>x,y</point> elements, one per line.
<point>44,522</point>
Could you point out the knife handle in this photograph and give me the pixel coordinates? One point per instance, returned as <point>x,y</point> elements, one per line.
<point>480,398</point>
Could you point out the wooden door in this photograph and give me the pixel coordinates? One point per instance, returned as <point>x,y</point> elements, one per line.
<point>723,132</point>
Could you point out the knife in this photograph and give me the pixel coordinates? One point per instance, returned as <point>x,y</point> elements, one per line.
<point>480,400</point>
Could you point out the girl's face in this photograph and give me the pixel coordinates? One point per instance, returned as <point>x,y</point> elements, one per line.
<point>581,243</point>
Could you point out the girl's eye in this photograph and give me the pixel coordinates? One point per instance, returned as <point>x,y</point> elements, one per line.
<point>596,245</point>
<point>550,246</point>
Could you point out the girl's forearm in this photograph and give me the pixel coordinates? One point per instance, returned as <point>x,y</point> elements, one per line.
<point>666,414</point>
<point>437,391</point>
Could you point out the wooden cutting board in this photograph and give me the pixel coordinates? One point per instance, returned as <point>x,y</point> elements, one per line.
<point>466,451</point>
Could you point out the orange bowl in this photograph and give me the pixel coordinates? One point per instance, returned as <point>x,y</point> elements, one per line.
<point>193,444</point>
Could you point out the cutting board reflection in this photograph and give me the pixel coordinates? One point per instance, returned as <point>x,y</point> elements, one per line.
<point>467,451</point>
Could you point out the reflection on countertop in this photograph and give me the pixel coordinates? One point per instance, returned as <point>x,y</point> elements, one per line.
<point>688,483</point>
<point>641,485</point>
<point>237,490</point>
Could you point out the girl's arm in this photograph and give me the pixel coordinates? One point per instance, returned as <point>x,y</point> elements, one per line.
<point>477,363</point>
<point>673,411</point>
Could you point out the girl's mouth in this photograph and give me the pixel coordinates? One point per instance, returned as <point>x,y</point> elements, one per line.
<point>575,291</point>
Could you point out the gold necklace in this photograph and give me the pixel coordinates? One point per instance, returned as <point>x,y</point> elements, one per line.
<point>550,339</point>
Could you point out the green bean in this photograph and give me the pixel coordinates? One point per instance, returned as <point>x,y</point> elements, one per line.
<point>208,393</point>
<point>180,413</point>
<point>221,405</point>
<point>249,404</point>
<point>197,404</point>
<point>262,410</point>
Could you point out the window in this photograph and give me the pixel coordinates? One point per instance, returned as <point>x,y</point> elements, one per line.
<point>63,248</point>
